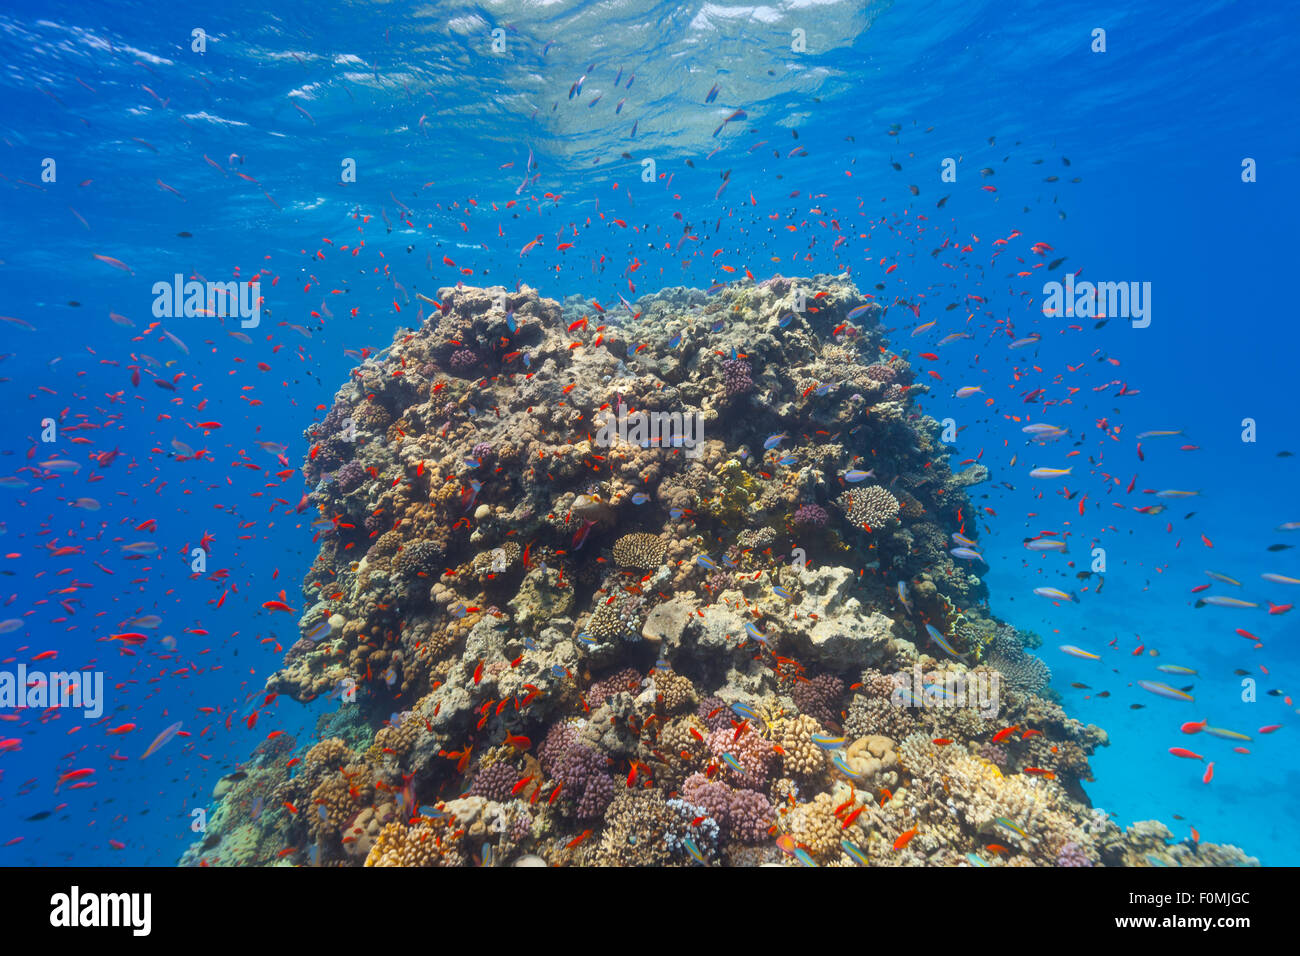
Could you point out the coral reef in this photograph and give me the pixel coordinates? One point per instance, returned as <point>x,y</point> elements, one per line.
<point>611,592</point>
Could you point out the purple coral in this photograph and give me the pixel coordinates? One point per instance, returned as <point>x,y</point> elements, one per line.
<point>883,374</point>
<point>750,816</point>
<point>462,360</point>
<point>715,713</point>
<point>736,376</point>
<point>720,581</point>
<point>495,782</point>
<point>582,774</point>
<point>350,477</point>
<point>628,679</point>
<point>579,769</point>
<point>753,752</point>
<point>559,739</point>
<point>521,827</point>
<point>814,515</point>
<point>482,451</point>
<point>818,697</point>
<point>1071,854</point>
<point>744,815</point>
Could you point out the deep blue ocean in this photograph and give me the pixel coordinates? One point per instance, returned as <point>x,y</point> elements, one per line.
<point>119,139</point>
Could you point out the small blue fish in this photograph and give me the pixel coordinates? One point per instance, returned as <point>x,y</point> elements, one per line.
<point>940,640</point>
<point>788,460</point>
<point>782,592</point>
<point>457,611</point>
<point>728,561</point>
<point>967,554</point>
<point>675,341</point>
<point>719,325</point>
<point>320,631</point>
<point>558,671</point>
<point>528,360</point>
<point>475,488</point>
<point>734,355</point>
<point>858,312</point>
<point>827,742</point>
<point>852,849</point>
<point>473,462</point>
<point>693,850</point>
<point>510,322</point>
<point>530,644</point>
<point>676,513</point>
<point>803,857</point>
<point>752,630</point>
<point>785,320</point>
<point>640,498</point>
<point>730,760</point>
<point>706,562</point>
<point>936,693</point>
<point>585,638</point>
<point>903,697</point>
<point>975,860</point>
<point>842,765</point>
<point>774,440</point>
<point>745,711</point>
<point>824,389</point>
<point>857,474</point>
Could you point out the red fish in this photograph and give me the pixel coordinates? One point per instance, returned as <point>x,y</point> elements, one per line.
<point>905,839</point>
<point>72,775</point>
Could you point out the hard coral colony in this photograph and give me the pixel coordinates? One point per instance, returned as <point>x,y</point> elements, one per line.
<point>558,636</point>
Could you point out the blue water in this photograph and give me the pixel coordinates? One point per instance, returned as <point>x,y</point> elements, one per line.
<point>440,128</point>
